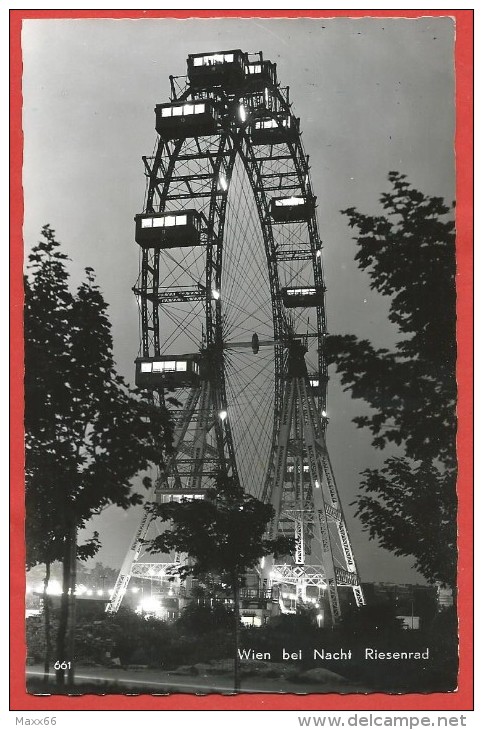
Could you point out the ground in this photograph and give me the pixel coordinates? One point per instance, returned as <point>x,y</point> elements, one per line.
<point>199,679</point>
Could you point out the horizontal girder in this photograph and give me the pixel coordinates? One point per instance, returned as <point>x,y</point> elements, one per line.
<point>156,571</point>
<point>165,296</point>
<point>293,574</point>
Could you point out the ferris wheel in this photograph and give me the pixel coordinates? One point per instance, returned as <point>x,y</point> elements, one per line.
<point>231,301</point>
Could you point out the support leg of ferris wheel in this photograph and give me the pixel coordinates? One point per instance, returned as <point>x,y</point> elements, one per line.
<point>280,463</point>
<point>298,514</point>
<point>321,505</point>
<point>181,427</point>
<point>136,546</point>
<point>130,558</point>
<point>203,422</point>
<point>320,465</point>
<point>320,516</point>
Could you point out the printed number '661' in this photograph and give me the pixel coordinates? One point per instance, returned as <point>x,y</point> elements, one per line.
<point>62,665</point>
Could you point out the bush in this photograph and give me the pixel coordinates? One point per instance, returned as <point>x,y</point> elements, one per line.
<point>199,619</point>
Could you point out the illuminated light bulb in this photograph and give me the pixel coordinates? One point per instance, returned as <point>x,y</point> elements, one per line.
<point>262,562</point>
<point>319,253</point>
<point>242,113</point>
<point>317,485</point>
<point>135,589</point>
<point>215,294</point>
<point>324,414</point>
<point>223,182</point>
<point>150,605</point>
<point>100,592</point>
<point>54,588</point>
<point>222,415</point>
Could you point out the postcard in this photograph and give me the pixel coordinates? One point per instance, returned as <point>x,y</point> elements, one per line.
<point>246,337</point>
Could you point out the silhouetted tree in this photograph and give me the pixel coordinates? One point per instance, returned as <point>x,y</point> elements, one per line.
<point>409,505</point>
<point>197,619</point>
<point>102,576</point>
<point>366,622</point>
<point>222,534</point>
<point>87,433</point>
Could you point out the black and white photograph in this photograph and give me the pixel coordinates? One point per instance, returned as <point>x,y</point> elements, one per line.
<point>240,355</point>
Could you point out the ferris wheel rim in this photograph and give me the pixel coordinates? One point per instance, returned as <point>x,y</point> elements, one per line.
<point>240,139</point>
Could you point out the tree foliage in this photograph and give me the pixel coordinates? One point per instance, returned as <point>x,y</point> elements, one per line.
<point>87,434</point>
<point>410,507</point>
<point>221,534</point>
<point>409,254</point>
<point>197,619</point>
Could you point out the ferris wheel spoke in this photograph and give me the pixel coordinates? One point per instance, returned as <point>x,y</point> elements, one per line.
<point>253,442</point>
<point>187,267</point>
<point>184,326</point>
<point>252,316</point>
<point>255,372</point>
<point>254,395</point>
<point>253,303</point>
<point>250,293</point>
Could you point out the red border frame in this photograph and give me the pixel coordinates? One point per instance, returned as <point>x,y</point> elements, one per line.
<point>462,699</point>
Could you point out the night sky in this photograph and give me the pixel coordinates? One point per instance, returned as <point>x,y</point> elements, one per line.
<point>372,95</point>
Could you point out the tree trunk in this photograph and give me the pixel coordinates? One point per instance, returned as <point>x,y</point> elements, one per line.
<point>61,657</point>
<point>72,608</point>
<point>236,594</point>
<point>48,652</point>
